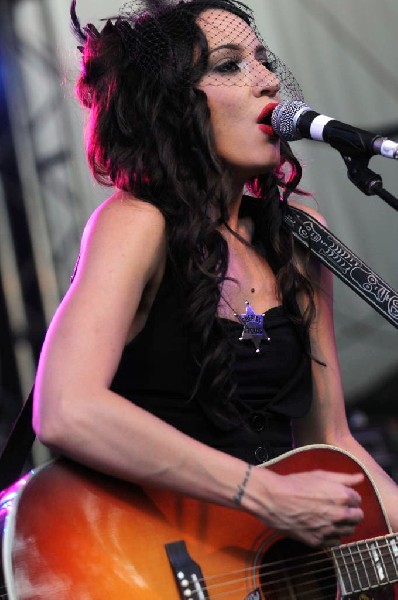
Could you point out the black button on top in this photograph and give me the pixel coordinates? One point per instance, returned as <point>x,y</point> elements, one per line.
<point>257,422</point>
<point>261,454</point>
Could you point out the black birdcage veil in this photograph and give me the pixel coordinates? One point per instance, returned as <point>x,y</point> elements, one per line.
<point>155,34</point>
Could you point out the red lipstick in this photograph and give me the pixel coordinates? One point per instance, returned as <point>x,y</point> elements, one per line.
<point>264,119</point>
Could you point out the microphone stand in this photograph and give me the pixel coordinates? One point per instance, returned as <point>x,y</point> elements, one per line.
<point>369,182</point>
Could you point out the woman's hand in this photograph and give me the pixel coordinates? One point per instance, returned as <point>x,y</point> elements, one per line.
<point>316,507</point>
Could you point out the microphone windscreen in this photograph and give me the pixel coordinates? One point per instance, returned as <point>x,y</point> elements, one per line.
<point>284,118</point>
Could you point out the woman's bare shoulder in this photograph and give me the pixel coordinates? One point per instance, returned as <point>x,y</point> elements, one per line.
<point>127,220</point>
<point>123,207</point>
<point>123,231</point>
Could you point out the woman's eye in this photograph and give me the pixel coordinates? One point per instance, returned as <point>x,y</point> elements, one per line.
<point>229,66</point>
<point>268,64</point>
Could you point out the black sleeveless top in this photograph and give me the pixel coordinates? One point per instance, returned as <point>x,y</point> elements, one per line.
<point>158,373</point>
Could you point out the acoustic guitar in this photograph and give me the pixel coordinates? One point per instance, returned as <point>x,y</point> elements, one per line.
<point>69,533</point>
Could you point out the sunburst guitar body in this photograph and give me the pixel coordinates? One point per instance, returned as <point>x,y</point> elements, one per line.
<point>69,533</point>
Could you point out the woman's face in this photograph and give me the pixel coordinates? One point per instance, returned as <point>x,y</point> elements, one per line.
<point>239,88</point>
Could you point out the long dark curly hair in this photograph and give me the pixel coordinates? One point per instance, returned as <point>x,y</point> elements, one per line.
<point>149,133</point>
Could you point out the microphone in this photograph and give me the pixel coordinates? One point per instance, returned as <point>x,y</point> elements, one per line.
<point>293,120</point>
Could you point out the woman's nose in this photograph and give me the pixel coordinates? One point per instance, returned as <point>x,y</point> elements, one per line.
<point>265,82</point>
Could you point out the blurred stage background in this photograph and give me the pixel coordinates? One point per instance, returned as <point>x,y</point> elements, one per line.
<point>344,54</point>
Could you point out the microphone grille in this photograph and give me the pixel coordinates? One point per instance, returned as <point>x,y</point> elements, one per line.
<point>284,118</point>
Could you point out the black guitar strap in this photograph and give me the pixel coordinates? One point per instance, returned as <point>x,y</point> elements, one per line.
<point>309,232</point>
<point>343,263</point>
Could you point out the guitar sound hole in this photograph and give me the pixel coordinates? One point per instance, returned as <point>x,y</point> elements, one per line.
<point>292,570</point>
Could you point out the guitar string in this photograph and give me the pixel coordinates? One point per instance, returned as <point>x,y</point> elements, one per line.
<point>299,564</point>
<point>301,594</point>
<point>241,574</point>
<point>324,583</point>
<point>284,563</point>
<point>320,583</point>
<point>289,562</point>
<point>380,547</point>
<point>318,580</point>
<point>276,586</point>
<point>275,571</point>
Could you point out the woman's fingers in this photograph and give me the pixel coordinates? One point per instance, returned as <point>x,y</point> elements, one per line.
<point>317,507</point>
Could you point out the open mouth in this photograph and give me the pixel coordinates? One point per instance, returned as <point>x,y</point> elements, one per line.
<point>264,119</point>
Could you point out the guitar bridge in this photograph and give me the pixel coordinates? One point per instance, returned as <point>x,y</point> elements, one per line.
<point>187,572</point>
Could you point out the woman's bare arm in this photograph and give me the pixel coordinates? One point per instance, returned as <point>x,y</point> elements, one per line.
<point>121,265</point>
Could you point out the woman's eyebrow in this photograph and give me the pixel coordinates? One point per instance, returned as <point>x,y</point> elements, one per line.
<point>238,48</point>
<point>235,47</point>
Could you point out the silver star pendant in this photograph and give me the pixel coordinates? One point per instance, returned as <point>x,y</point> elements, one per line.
<point>253,327</point>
